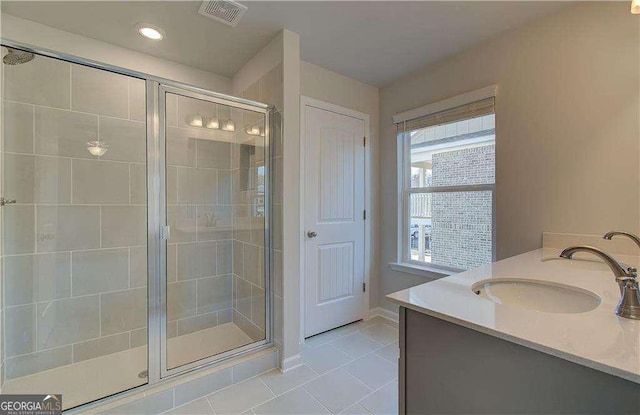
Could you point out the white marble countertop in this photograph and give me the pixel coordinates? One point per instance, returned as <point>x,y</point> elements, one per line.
<point>598,338</point>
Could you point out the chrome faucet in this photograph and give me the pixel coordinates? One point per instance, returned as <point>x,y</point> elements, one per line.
<point>634,238</point>
<point>629,304</point>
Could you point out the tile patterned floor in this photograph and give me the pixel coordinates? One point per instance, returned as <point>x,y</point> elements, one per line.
<point>349,370</point>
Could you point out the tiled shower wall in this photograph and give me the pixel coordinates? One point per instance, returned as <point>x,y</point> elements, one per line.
<point>248,238</point>
<point>74,244</point>
<point>200,204</point>
<point>269,89</point>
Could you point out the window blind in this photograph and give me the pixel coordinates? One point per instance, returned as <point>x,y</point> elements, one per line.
<point>462,112</point>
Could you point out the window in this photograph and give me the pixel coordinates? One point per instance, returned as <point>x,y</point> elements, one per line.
<point>448,178</point>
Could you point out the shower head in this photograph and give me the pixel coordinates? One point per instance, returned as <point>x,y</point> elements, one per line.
<point>17,57</point>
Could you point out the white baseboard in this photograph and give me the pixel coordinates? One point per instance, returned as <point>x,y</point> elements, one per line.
<point>291,363</point>
<point>384,313</point>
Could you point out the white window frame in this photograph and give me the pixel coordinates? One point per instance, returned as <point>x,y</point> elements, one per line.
<point>404,262</point>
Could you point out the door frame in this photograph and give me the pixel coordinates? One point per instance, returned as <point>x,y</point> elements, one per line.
<point>368,202</point>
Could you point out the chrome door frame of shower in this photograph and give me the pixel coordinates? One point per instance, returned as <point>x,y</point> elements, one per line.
<point>156,218</point>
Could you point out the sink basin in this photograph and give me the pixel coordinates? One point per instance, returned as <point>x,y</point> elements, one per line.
<point>537,295</point>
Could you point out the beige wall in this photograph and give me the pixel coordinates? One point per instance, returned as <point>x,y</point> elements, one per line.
<point>290,216</point>
<point>260,64</point>
<point>325,85</point>
<point>567,121</point>
<point>273,76</point>
<point>260,80</point>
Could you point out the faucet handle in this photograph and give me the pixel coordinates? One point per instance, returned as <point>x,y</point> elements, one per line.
<point>629,305</point>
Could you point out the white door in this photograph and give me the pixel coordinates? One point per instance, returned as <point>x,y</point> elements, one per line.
<point>334,192</point>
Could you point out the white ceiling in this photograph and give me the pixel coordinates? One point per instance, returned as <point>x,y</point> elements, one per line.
<point>374,42</point>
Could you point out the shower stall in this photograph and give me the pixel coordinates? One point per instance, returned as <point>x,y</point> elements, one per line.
<point>134,222</point>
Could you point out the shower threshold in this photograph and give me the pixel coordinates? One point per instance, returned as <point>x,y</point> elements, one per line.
<point>106,375</point>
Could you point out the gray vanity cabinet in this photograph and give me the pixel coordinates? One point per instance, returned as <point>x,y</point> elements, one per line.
<point>449,369</point>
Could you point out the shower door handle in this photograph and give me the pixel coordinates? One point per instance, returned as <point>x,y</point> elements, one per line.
<point>165,232</point>
<point>4,202</point>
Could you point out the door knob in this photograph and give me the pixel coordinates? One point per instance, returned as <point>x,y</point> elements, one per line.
<point>312,234</point>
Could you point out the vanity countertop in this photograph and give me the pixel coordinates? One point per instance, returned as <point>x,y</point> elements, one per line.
<point>598,338</point>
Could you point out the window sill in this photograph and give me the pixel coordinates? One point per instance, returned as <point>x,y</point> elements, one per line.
<point>428,272</point>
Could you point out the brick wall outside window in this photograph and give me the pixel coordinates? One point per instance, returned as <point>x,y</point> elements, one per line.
<point>461,235</point>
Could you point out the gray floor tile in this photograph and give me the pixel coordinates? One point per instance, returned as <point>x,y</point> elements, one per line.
<point>280,383</point>
<point>240,397</point>
<point>391,352</point>
<point>322,338</point>
<point>355,410</point>
<point>324,358</point>
<point>199,407</point>
<point>349,328</point>
<point>382,320</point>
<point>337,390</point>
<point>356,345</point>
<point>381,333</point>
<point>373,370</point>
<point>384,401</point>
<point>295,402</point>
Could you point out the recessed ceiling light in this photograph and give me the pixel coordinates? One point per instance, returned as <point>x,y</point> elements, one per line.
<point>150,31</point>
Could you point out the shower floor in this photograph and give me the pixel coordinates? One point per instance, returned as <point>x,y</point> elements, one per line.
<point>93,379</point>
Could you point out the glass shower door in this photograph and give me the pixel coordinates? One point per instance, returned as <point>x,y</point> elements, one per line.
<point>215,207</point>
<point>74,234</point>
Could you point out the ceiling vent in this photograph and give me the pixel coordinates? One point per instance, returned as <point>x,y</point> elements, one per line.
<point>225,11</point>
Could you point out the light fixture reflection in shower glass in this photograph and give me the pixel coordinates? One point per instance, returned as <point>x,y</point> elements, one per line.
<point>97,148</point>
<point>213,123</point>
<point>195,120</point>
<point>253,130</point>
<point>229,125</point>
